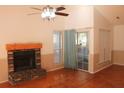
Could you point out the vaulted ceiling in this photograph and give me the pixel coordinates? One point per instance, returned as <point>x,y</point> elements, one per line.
<point>114,13</point>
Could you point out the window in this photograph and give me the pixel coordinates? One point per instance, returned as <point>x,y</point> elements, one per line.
<point>82,39</point>
<point>57,40</point>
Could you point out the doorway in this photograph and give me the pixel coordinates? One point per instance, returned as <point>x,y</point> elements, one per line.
<point>82,50</point>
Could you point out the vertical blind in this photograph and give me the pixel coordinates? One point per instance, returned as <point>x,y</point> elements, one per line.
<point>69,49</point>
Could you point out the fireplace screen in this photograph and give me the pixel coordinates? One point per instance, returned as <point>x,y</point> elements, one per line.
<point>24,60</point>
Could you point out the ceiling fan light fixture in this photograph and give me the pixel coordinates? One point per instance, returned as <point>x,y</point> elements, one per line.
<point>48,13</point>
<point>43,15</point>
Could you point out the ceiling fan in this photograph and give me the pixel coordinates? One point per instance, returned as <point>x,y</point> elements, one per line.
<point>49,12</point>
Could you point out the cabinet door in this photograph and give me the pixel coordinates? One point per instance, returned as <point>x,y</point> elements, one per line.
<point>107,45</point>
<point>104,48</point>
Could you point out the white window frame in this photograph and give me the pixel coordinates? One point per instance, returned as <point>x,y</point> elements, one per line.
<point>58,49</point>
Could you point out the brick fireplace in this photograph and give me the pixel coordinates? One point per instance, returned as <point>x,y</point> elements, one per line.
<point>24,62</point>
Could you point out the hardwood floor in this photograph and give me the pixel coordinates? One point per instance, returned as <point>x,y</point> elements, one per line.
<point>65,78</point>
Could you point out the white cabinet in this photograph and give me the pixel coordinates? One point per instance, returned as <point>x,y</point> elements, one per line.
<point>104,45</point>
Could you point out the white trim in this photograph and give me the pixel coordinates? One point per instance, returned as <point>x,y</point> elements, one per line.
<point>104,61</point>
<point>80,29</point>
<point>101,69</point>
<point>55,69</point>
<point>3,81</point>
<point>83,70</point>
<point>118,64</point>
<point>85,30</point>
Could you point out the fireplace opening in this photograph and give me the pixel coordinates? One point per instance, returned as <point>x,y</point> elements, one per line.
<point>24,60</point>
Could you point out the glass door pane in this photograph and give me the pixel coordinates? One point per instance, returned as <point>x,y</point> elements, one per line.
<point>82,50</point>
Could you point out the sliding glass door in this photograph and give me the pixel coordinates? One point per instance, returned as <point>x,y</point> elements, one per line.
<point>82,50</point>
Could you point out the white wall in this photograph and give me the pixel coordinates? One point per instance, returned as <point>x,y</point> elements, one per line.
<point>118,45</point>
<point>80,17</point>
<point>118,38</point>
<point>17,27</point>
<point>100,22</point>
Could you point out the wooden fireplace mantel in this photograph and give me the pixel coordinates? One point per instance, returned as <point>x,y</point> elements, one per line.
<point>21,46</point>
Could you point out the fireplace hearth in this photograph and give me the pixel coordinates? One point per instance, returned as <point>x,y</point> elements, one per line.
<point>24,62</point>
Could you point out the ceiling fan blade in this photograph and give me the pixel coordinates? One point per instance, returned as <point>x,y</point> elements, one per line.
<point>33,13</point>
<point>60,8</point>
<point>36,8</point>
<point>62,14</point>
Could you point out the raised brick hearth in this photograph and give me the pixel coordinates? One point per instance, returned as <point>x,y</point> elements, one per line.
<point>29,71</point>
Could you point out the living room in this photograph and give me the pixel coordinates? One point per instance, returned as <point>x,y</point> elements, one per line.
<point>23,28</point>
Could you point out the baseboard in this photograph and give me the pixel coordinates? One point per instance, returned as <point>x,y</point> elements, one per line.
<point>83,70</point>
<point>55,69</point>
<point>3,81</point>
<point>101,69</point>
<point>118,64</point>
